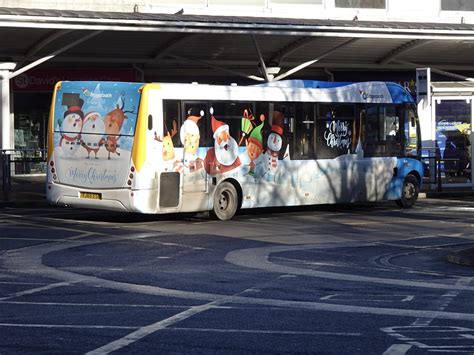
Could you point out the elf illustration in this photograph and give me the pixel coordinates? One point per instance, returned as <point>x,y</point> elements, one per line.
<point>254,148</point>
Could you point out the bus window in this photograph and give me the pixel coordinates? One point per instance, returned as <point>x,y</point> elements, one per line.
<point>282,116</point>
<point>411,136</point>
<point>358,131</point>
<point>304,131</point>
<point>334,130</point>
<point>384,137</point>
<point>231,114</point>
<point>172,119</point>
<point>198,111</point>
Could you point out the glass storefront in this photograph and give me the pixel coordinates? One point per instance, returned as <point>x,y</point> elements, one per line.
<point>31,120</point>
<point>453,138</point>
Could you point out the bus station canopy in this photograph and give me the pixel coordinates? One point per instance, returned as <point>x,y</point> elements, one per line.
<point>253,49</point>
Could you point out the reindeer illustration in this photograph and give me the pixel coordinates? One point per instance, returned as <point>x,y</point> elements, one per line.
<point>168,147</point>
<point>113,124</point>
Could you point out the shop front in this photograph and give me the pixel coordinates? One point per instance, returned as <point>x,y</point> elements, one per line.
<point>453,111</point>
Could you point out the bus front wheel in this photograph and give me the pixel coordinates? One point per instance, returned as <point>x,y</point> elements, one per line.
<point>410,190</point>
<point>225,201</point>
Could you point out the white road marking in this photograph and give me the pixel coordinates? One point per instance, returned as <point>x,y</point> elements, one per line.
<point>211,330</point>
<point>258,258</point>
<point>264,331</point>
<point>120,305</point>
<point>443,303</point>
<point>18,325</point>
<point>20,283</point>
<point>397,349</point>
<point>149,329</point>
<point>35,290</point>
<point>30,260</point>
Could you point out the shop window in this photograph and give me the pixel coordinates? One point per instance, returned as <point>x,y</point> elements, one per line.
<point>334,130</point>
<point>260,3</point>
<point>453,136</point>
<point>457,5</point>
<point>297,2</point>
<point>361,4</point>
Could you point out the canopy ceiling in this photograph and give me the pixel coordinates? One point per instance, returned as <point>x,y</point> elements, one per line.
<point>178,47</point>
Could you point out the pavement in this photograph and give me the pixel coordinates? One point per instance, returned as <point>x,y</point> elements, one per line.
<point>28,191</point>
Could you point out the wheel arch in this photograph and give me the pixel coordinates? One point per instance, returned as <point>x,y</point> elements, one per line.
<point>415,174</point>
<point>238,188</point>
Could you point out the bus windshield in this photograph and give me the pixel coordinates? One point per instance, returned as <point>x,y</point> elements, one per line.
<point>94,125</point>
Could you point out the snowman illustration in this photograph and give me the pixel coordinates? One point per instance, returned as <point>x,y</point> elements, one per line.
<point>71,126</point>
<point>274,144</point>
<point>93,131</point>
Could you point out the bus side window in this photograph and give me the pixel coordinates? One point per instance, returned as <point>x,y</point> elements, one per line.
<point>334,130</point>
<point>199,111</point>
<point>410,136</point>
<point>302,120</point>
<point>172,121</point>
<point>280,121</point>
<point>384,138</point>
<point>230,113</point>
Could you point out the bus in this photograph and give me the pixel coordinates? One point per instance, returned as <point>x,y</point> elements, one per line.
<point>166,147</point>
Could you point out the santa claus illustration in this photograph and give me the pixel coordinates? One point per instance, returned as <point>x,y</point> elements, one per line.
<point>93,132</point>
<point>274,144</point>
<point>224,157</point>
<point>71,126</point>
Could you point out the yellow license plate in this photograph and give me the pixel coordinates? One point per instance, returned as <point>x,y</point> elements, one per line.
<point>91,195</point>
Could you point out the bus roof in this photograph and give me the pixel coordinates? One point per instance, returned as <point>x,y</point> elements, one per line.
<point>293,90</point>
<point>398,93</point>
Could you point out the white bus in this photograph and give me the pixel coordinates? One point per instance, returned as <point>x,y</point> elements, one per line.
<point>167,148</point>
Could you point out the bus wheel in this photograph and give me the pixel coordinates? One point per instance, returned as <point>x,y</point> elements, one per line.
<point>225,201</point>
<point>410,190</point>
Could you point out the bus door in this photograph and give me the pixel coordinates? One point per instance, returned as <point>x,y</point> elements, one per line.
<point>195,137</point>
<point>383,144</point>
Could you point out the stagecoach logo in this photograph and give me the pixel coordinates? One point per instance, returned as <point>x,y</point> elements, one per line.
<point>94,95</point>
<point>92,175</point>
<point>367,96</point>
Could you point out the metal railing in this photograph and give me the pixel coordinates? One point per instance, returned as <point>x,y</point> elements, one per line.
<point>20,162</point>
<point>437,168</point>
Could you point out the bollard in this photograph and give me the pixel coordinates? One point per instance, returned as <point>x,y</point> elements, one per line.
<point>6,175</point>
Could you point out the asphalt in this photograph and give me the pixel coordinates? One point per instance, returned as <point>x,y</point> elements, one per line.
<point>29,192</point>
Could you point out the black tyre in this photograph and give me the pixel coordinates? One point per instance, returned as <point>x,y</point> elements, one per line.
<point>226,201</point>
<point>410,191</point>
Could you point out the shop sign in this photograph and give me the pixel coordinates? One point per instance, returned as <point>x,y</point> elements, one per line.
<point>43,80</point>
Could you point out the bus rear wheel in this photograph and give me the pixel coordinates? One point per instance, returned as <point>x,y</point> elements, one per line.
<point>226,201</point>
<point>410,190</point>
